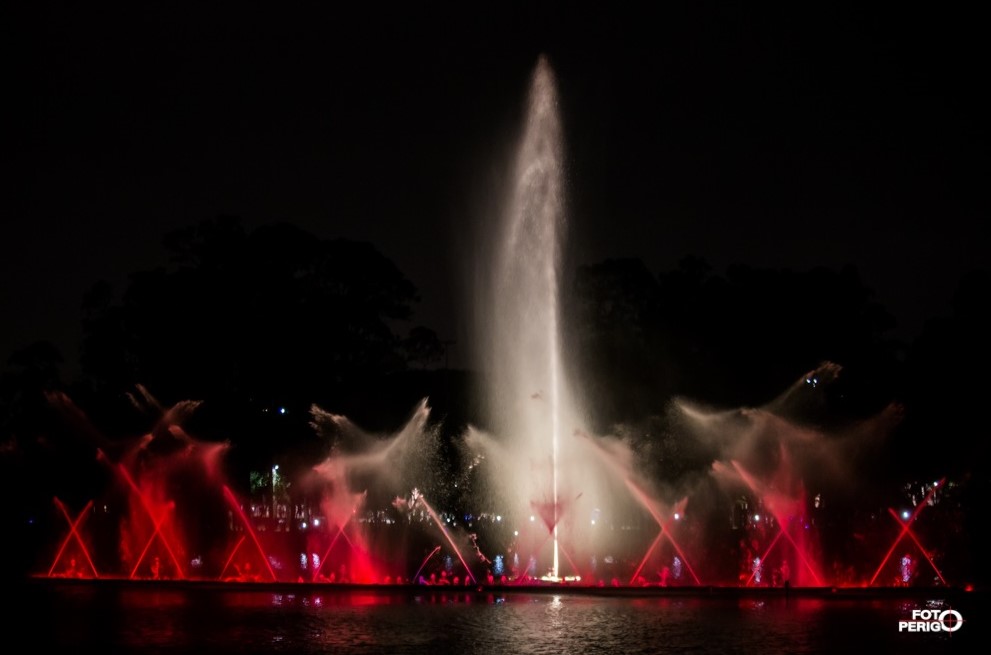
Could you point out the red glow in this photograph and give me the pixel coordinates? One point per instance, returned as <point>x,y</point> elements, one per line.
<point>227,564</point>
<point>660,535</point>
<point>764,557</point>
<point>340,531</point>
<point>647,555</point>
<point>780,506</point>
<point>157,522</point>
<point>416,578</point>
<point>73,532</point>
<point>523,577</point>
<point>922,550</point>
<point>155,533</point>
<point>646,501</point>
<point>229,495</point>
<point>905,529</point>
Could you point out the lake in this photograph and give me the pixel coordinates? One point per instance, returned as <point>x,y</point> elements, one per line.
<point>124,618</point>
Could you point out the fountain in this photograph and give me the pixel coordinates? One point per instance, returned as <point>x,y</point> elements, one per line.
<point>522,341</point>
<point>561,505</point>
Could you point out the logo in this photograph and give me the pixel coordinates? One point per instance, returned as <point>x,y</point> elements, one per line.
<point>932,621</point>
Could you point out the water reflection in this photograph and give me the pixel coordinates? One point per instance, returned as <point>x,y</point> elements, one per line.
<point>223,621</point>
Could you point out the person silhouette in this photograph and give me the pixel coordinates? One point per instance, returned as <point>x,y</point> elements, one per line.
<point>785,573</point>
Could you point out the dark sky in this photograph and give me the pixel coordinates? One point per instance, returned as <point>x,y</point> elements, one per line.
<point>824,136</point>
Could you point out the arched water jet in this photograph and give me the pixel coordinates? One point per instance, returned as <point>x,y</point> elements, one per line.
<point>440,526</point>
<point>366,473</point>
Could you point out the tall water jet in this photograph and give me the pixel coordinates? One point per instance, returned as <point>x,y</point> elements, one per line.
<point>550,474</point>
<point>527,395</point>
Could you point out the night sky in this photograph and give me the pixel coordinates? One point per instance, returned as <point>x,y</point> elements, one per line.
<point>825,136</point>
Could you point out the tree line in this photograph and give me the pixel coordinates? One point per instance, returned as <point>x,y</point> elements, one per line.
<point>255,321</point>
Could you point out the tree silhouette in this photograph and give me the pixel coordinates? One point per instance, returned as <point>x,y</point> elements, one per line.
<point>733,339</point>
<point>946,388</point>
<point>270,314</point>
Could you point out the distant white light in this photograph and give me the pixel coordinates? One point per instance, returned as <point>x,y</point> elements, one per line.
<point>593,521</point>
<point>905,514</point>
<point>532,519</point>
<point>282,410</point>
<point>498,518</point>
<point>756,517</point>
<point>303,525</point>
<point>516,533</point>
<point>316,523</point>
<point>677,516</point>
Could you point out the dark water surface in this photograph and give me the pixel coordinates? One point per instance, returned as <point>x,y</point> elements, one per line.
<point>118,618</point>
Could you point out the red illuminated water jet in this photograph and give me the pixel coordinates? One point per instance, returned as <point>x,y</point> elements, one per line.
<point>665,532</point>
<point>918,544</point>
<point>154,521</point>
<point>326,556</point>
<point>785,510</point>
<point>229,495</point>
<point>443,530</point>
<point>158,519</point>
<point>73,534</point>
<point>416,576</point>
<point>907,531</point>
<point>648,502</point>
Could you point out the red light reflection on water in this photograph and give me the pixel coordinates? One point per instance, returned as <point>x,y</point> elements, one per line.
<point>145,598</point>
<point>351,597</point>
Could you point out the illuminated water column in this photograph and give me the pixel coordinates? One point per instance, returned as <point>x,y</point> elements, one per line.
<point>527,390</point>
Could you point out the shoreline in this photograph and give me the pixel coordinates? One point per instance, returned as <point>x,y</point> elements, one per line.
<point>627,591</point>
